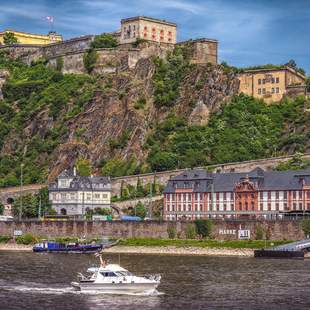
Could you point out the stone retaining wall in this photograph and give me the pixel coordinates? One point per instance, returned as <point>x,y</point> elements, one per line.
<point>222,230</point>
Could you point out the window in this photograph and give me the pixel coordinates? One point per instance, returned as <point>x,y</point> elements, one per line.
<point>261,195</point>
<point>277,195</point>
<point>169,39</point>
<point>145,28</point>
<point>246,206</point>
<point>259,81</point>
<point>224,196</point>
<point>63,196</point>
<point>134,27</point>
<point>134,34</point>
<point>277,90</point>
<point>161,31</point>
<point>189,197</point>
<point>153,29</point>
<point>252,205</point>
<point>225,207</point>
<point>277,80</point>
<point>300,194</point>
<point>285,195</point>
<point>272,80</point>
<point>217,196</point>
<point>269,195</point>
<point>184,197</point>
<point>97,196</point>
<point>269,206</point>
<point>179,196</point>
<point>308,206</point>
<point>294,206</point>
<point>264,81</point>
<point>300,206</point>
<point>232,207</point>
<point>261,206</point>
<point>272,90</point>
<point>88,197</point>
<point>240,205</point>
<point>294,195</point>
<point>285,206</point>
<point>259,91</point>
<point>264,90</point>
<point>153,36</point>
<point>277,206</point>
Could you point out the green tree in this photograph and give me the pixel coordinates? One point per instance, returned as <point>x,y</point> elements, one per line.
<point>139,210</point>
<point>90,59</point>
<point>140,189</point>
<point>83,167</point>
<point>305,226</point>
<point>1,208</point>
<point>308,83</point>
<point>9,38</point>
<point>104,40</point>
<point>31,203</point>
<point>204,227</point>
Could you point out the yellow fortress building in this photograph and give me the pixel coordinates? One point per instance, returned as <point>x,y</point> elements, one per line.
<point>33,38</point>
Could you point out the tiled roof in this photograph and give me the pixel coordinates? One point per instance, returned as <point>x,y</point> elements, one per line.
<point>203,181</point>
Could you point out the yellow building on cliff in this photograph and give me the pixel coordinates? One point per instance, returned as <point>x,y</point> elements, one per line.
<point>33,38</point>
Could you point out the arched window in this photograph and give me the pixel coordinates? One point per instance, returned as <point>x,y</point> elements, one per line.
<point>10,200</point>
<point>63,211</point>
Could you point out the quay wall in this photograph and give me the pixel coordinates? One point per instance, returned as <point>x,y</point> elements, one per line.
<point>222,230</point>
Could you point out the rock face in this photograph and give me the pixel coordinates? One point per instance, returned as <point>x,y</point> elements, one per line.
<point>3,76</point>
<point>113,112</point>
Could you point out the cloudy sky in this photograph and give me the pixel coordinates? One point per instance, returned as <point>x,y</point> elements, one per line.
<point>250,32</point>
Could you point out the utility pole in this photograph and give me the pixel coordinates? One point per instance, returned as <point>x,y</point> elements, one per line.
<point>40,206</point>
<point>20,193</point>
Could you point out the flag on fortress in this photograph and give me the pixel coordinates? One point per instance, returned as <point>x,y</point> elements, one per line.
<point>50,19</point>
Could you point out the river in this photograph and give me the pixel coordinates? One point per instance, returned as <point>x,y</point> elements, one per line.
<point>42,281</point>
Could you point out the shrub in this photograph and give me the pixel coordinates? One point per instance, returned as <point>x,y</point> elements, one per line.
<point>90,59</point>
<point>83,167</point>
<point>59,63</point>
<point>171,232</point>
<point>104,40</point>
<point>5,239</point>
<point>259,233</point>
<point>140,103</point>
<point>190,231</point>
<point>27,238</point>
<point>305,226</point>
<point>1,208</point>
<point>204,227</point>
<point>138,42</point>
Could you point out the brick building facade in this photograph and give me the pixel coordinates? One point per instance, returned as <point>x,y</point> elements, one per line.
<point>198,194</point>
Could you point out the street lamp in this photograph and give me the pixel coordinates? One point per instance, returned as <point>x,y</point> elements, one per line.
<point>20,193</point>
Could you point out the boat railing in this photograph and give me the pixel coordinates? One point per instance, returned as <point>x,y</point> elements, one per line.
<point>155,277</point>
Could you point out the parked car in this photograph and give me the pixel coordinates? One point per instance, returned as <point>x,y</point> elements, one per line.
<point>6,218</point>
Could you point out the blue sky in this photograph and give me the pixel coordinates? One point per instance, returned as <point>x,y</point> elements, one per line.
<point>249,32</point>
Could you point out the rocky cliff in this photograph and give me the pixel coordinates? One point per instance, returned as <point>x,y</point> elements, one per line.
<point>106,115</point>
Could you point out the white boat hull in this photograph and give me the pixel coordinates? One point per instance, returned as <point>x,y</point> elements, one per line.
<point>116,288</point>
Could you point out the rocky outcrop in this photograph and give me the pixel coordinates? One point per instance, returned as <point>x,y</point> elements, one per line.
<point>3,76</point>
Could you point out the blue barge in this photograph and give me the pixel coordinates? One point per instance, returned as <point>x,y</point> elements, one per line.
<point>56,247</point>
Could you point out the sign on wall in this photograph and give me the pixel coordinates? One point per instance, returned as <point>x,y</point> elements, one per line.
<point>244,234</point>
<point>17,233</point>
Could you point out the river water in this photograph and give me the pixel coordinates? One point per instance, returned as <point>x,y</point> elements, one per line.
<point>42,281</point>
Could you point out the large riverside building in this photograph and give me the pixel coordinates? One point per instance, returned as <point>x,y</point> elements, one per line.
<point>71,194</point>
<point>147,28</point>
<point>33,38</point>
<point>271,84</point>
<point>198,194</point>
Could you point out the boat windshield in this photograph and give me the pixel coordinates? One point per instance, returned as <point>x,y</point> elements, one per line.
<point>123,273</point>
<point>108,274</point>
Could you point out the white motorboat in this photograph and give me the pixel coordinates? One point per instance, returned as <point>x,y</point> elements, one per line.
<point>113,279</point>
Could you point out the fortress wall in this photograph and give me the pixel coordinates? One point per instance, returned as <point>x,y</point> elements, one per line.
<point>221,230</point>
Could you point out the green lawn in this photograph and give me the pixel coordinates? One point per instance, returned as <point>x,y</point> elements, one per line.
<point>233,244</point>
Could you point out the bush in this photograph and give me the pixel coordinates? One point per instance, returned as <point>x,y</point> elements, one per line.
<point>171,232</point>
<point>5,239</point>
<point>1,208</point>
<point>305,226</point>
<point>259,233</point>
<point>59,63</point>
<point>140,103</point>
<point>90,59</point>
<point>104,40</point>
<point>190,231</point>
<point>26,239</point>
<point>204,227</point>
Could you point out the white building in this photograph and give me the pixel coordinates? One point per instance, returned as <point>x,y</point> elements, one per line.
<point>71,194</point>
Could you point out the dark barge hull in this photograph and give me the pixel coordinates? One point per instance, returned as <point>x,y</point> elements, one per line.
<point>77,249</point>
<point>278,254</point>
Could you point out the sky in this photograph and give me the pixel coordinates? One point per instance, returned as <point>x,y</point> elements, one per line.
<point>250,32</point>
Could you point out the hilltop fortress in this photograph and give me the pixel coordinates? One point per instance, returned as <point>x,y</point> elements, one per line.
<point>158,37</point>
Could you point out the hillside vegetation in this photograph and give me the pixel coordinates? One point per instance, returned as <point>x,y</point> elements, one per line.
<point>137,120</point>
